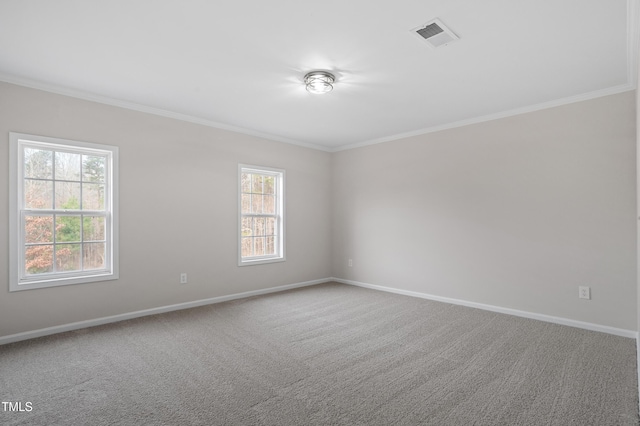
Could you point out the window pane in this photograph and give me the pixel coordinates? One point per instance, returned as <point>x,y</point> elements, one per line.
<point>67,195</point>
<point>269,185</point>
<point>247,229</point>
<point>92,196</point>
<point>269,204</point>
<point>246,247</point>
<point>38,194</point>
<point>67,166</point>
<point>256,186</point>
<point>93,256</point>
<point>68,257</point>
<point>270,224</point>
<point>246,203</point>
<point>245,182</point>
<point>260,219</point>
<point>258,246</point>
<point>93,168</point>
<point>38,229</point>
<point>256,204</point>
<point>38,163</point>
<point>38,259</point>
<point>270,247</point>
<point>67,228</point>
<point>93,228</point>
<point>258,226</point>
<point>63,215</point>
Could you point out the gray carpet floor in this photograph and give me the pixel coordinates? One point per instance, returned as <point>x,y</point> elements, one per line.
<point>329,354</point>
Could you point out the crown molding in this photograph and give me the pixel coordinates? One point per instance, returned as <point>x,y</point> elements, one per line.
<point>633,47</point>
<point>209,123</point>
<point>503,114</point>
<point>87,96</point>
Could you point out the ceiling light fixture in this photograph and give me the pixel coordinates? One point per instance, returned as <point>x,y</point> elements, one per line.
<point>319,82</point>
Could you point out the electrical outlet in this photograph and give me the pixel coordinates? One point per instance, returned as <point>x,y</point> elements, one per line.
<point>350,262</point>
<point>584,292</point>
<point>183,278</point>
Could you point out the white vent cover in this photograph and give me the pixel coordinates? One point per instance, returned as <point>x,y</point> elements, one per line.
<point>435,33</point>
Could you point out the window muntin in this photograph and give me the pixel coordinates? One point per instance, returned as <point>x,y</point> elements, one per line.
<point>261,208</point>
<point>63,196</point>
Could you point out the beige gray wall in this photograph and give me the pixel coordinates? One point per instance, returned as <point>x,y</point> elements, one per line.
<point>516,212</point>
<point>178,208</point>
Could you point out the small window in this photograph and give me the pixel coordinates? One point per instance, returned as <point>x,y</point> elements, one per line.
<point>261,215</point>
<point>62,212</point>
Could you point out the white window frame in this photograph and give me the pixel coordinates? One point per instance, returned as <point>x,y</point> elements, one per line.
<point>280,255</point>
<point>18,279</point>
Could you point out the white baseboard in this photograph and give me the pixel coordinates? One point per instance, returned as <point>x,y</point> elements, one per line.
<point>531,315</point>
<point>162,309</point>
<point>638,364</point>
<point>122,317</point>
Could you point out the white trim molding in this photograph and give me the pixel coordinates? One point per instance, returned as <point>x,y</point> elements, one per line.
<point>106,100</point>
<point>515,312</point>
<point>203,302</point>
<point>20,277</point>
<point>278,177</point>
<point>491,117</point>
<point>630,85</point>
<point>638,364</point>
<point>11,338</point>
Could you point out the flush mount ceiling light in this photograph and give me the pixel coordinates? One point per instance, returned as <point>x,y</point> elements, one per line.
<point>319,82</point>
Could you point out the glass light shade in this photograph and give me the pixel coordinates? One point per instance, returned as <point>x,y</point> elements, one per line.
<point>319,82</point>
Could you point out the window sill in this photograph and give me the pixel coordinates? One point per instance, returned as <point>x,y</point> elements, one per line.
<point>57,282</point>
<point>261,261</point>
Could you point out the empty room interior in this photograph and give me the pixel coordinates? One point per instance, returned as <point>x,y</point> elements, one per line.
<point>334,213</point>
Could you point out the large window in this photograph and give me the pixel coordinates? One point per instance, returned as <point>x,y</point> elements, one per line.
<point>261,215</point>
<point>62,211</point>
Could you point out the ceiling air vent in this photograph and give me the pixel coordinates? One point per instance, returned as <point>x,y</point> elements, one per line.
<point>435,33</point>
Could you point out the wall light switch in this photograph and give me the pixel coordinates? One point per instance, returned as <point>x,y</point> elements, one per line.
<point>183,278</point>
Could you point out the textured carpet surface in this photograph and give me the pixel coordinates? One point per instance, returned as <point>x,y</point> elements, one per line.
<point>330,354</point>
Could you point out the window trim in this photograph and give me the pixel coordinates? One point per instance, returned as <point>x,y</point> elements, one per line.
<point>280,212</point>
<point>17,280</point>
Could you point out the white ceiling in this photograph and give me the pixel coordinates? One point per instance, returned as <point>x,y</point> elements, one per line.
<point>239,65</point>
